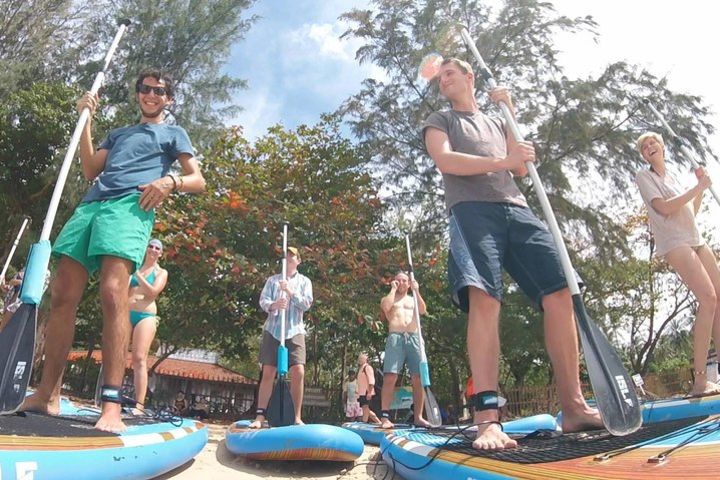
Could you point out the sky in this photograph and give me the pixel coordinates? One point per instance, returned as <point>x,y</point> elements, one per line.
<point>297,67</point>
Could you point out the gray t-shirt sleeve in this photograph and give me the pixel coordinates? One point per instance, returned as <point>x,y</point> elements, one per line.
<point>436,120</point>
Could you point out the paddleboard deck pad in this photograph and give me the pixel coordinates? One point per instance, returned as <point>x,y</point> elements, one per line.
<point>43,447</point>
<point>373,434</point>
<point>294,442</point>
<point>677,449</point>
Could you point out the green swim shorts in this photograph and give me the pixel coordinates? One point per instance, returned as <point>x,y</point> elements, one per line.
<point>117,227</point>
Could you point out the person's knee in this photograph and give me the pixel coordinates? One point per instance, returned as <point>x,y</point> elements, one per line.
<point>62,297</point>
<point>298,370</point>
<point>268,374</point>
<point>560,300</point>
<point>708,297</point>
<point>139,360</point>
<point>113,293</point>
<point>482,304</point>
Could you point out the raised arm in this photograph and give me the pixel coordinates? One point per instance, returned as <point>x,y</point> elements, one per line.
<point>387,302</point>
<point>422,308</point>
<point>672,205</point>
<point>152,290</point>
<point>93,162</point>
<point>438,146</point>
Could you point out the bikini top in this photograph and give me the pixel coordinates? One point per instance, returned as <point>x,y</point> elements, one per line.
<point>150,279</point>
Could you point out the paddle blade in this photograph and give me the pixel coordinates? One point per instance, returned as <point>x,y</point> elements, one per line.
<point>17,345</point>
<point>432,409</point>
<point>281,410</point>
<point>616,399</point>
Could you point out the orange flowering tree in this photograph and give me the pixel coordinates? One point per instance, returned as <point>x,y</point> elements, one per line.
<point>221,246</point>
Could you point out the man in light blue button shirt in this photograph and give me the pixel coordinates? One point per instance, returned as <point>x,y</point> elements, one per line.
<point>295,296</point>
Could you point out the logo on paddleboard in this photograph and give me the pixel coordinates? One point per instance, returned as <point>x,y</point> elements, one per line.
<point>622,385</point>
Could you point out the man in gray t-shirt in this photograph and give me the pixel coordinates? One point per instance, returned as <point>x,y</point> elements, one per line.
<point>491,229</point>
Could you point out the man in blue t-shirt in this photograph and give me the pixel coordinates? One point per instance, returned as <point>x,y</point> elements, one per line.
<point>109,232</point>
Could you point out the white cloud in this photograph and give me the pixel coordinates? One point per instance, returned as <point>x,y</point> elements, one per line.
<point>261,110</point>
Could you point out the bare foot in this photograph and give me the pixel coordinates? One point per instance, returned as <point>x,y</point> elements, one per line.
<point>386,423</point>
<point>706,388</point>
<point>110,419</point>
<point>421,422</point>
<point>33,403</point>
<point>491,437</point>
<point>258,422</point>
<point>299,421</point>
<point>582,419</point>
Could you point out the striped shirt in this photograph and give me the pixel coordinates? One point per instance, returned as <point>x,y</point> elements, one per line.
<point>300,302</point>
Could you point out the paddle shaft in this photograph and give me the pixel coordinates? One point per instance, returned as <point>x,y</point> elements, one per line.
<point>39,257</point>
<point>26,220</point>
<point>282,350</point>
<point>686,151</point>
<point>424,370</point>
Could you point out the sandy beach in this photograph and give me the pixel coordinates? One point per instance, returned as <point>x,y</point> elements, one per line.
<point>215,462</point>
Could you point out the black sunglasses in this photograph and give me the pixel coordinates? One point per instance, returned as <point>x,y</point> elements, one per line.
<point>159,91</point>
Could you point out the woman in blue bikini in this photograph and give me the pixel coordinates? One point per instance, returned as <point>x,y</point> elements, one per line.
<point>145,286</point>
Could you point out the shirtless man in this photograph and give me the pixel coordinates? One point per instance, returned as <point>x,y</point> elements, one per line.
<point>402,345</point>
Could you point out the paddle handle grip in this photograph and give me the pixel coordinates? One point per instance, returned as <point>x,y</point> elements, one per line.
<point>424,374</point>
<point>33,284</point>
<point>282,360</point>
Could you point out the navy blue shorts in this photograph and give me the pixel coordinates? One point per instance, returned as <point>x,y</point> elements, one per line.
<point>486,237</point>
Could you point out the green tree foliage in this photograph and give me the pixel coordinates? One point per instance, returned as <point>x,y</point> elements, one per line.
<point>222,246</point>
<point>35,125</point>
<point>583,129</point>
<point>32,37</point>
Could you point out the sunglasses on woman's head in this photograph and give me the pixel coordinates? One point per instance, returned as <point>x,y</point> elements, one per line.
<point>159,91</point>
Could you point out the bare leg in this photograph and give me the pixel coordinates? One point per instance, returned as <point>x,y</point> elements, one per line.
<point>711,267</point>
<point>483,343</point>
<point>418,401</point>
<point>66,293</point>
<point>562,345</point>
<point>692,272</point>
<point>297,379</point>
<point>266,384</point>
<point>371,417</point>
<point>114,280</point>
<point>386,396</point>
<point>142,337</point>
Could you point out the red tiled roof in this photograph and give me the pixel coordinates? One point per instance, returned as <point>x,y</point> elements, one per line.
<point>179,368</point>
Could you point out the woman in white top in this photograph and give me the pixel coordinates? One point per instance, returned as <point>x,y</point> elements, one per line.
<point>671,211</point>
